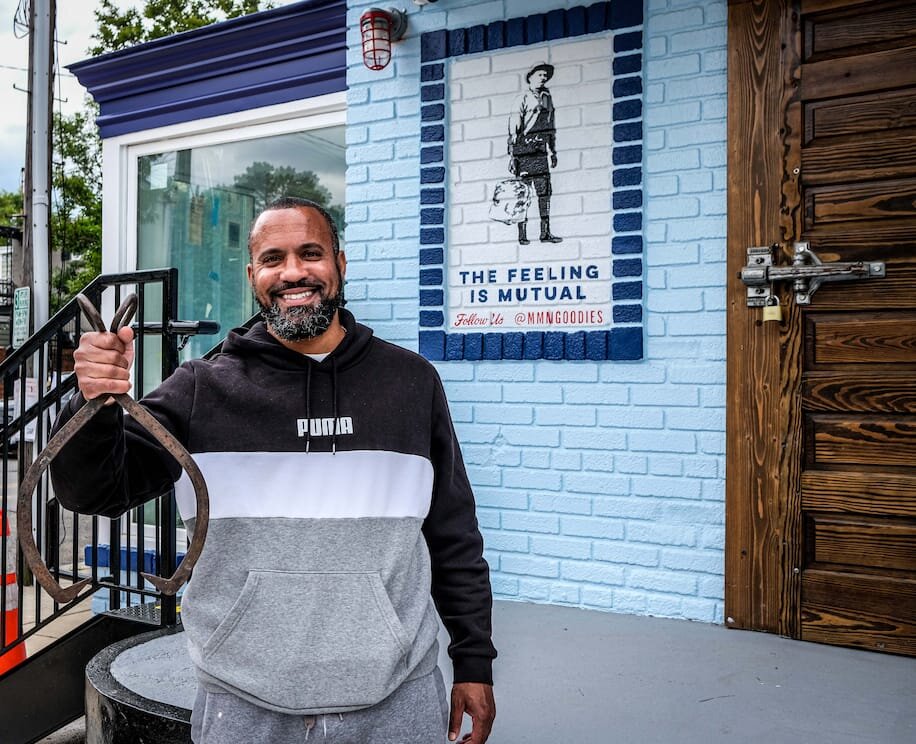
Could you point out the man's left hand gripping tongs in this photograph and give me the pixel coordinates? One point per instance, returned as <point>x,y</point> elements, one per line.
<point>140,415</point>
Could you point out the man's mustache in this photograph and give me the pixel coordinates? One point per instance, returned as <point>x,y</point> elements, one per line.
<point>301,284</point>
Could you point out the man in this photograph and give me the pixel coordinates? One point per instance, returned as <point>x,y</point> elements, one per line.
<point>339,503</point>
<point>532,140</point>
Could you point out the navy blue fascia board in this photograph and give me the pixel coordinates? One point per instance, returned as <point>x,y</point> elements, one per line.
<point>290,53</point>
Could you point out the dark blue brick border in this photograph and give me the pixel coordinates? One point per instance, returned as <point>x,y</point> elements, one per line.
<point>624,341</point>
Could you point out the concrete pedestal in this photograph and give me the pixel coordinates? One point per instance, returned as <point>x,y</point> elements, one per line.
<point>140,691</point>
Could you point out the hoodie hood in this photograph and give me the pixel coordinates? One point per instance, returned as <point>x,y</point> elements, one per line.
<point>257,342</point>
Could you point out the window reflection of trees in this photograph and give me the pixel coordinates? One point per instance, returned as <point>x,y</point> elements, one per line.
<point>262,180</point>
<point>267,182</point>
<point>195,207</point>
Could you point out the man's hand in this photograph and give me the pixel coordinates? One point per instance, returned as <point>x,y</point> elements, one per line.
<point>553,160</point>
<point>102,362</point>
<point>475,699</point>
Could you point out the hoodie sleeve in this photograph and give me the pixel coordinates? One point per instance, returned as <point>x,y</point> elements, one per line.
<point>460,575</point>
<point>113,464</point>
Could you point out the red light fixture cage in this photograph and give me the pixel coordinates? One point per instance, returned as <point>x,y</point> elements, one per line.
<point>378,29</point>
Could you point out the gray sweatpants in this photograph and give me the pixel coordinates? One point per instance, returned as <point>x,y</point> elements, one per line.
<point>415,713</point>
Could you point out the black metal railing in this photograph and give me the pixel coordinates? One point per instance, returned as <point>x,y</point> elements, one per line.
<point>36,381</point>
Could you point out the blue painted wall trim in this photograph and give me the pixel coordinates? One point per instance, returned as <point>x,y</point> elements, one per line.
<point>290,53</point>
<point>618,343</point>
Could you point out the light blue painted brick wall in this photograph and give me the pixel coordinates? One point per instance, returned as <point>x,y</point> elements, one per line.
<point>599,485</point>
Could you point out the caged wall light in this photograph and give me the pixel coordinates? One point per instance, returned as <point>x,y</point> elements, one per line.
<point>379,28</point>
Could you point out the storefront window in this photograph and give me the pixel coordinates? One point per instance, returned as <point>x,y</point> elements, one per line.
<point>195,206</point>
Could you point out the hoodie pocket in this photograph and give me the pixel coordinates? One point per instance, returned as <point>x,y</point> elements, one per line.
<point>309,641</point>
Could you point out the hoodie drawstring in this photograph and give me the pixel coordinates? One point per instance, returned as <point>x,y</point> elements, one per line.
<point>308,408</point>
<point>334,426</point>
<point>311,721</point>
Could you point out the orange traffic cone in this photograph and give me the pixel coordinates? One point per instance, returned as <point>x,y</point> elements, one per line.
<point>10,619</point>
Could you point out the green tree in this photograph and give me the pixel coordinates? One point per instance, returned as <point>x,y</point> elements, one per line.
<point>267,182</point>
<point>76,221</point>
<point>10,207</point>
<point>119,29</point>
<point>76,231</point>
<point>10,211</point>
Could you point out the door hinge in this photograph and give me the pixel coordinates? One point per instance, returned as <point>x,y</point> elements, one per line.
<point>807,272</point>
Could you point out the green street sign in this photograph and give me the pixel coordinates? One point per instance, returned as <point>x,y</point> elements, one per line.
<point>21,303</point>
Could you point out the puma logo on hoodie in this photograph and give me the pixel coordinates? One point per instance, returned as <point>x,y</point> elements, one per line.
<point>324,427</point>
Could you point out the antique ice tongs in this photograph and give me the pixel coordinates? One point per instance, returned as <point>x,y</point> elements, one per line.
<point>142,416</point>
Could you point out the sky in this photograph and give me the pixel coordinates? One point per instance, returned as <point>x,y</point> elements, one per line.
<point>75,24</point>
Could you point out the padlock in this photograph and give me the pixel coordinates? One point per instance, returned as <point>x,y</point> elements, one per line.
<point>772,311</point>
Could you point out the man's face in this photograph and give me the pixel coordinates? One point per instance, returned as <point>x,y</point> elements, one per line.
<point>296,278</point>
<point>538,79</point>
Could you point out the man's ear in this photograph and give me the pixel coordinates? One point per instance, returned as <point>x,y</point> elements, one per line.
<point>248,272</point>
<point>342,264</point>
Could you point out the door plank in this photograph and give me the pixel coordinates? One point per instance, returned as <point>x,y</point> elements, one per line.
<point>866,202</point>
<point>862,440</point>
<point>859,610</point>
<point>861,542</point>
<point>879,392</point>
<point>848,491</point>
<point>757,569</point>
<point>888,338</point>
<point>891,240</point>
<point>894,292</point>
<point>872,26</point>
<point>887,69</point>
<point>819,6</point>
<point>860,115</point>
<point>890,155</point>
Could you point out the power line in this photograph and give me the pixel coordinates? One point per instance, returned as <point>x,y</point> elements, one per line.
<point>26,69</point>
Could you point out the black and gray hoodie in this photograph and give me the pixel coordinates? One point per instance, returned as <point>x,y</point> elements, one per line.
<point>340,512</point>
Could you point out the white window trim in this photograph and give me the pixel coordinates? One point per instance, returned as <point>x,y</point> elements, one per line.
<point>119,182</point>
<point>120,155</point>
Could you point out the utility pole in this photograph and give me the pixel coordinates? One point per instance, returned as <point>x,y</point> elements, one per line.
<point>34,267</point>
<point>32,270</point>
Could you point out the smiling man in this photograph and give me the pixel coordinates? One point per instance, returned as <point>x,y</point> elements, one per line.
<point>341,516</point>
<point>298,286</point>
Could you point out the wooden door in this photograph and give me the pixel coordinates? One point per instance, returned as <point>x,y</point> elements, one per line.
<point>821,465</point>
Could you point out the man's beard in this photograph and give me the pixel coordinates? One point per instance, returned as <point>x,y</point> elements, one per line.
<point>302,321</point>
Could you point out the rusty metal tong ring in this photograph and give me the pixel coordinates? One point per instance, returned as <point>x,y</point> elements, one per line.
<point>24,509</point>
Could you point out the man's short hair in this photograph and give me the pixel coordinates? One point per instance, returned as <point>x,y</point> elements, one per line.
<point>296,202</point>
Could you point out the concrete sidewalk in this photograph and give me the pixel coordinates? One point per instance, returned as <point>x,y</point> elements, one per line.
<point>569,676</point>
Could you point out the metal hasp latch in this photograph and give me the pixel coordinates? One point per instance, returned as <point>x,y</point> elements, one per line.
<point>807,271</point>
